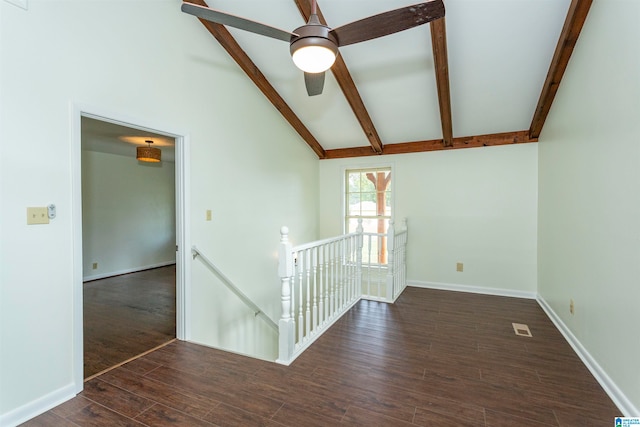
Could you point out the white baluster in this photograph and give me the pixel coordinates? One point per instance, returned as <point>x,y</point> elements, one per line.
<point>359,243</point>
<point>354,268</point>
<point>299,288</point>
<point>390,262</point>
<point>349,268</point>
<point>314,262</point>
<point>322,288</point>
<point>357,291</point>
<point>329,304</point>
<point>345,270</point>
<point>369,263</point>
<point>403,263</point>
<point>286,325</point>
<point>327,287</point>
<point>336,279</point>
<point>307,266</point>
<point>343,275</point>
<point>404,253</point>
<point>403,267</point>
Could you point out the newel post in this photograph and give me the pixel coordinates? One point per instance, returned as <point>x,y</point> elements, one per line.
<point>286,325</point>
<point>390,261</point>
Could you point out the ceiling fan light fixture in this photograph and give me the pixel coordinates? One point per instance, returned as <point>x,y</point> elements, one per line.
<point>313,55</point>
<point>314,46</point>
<point>315,49</point>
<point>148,154</point>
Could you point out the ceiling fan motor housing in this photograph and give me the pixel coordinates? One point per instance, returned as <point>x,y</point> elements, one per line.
<point>313,35</point>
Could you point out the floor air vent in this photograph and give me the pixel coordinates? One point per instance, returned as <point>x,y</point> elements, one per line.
<point>521,330</point>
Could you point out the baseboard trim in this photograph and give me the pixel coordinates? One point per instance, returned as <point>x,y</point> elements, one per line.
<point>127,271</point>
<point>33,409</point>
<point>472,289</point>
<point>609,386</point>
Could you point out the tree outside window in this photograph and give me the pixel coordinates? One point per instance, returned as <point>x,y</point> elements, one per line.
<point>368,197</point>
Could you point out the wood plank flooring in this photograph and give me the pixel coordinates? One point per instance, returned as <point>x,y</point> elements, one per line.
<point>126,315</point>
<point>435,358</point>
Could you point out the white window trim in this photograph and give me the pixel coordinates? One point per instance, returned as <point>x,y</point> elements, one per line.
<point>366,166</point>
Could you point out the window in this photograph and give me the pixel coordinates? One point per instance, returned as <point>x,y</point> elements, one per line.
<point>368,196</point>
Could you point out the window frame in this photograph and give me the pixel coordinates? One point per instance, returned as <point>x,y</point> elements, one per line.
<point>345,194</point>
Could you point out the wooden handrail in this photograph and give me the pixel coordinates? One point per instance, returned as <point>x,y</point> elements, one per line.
<point>257,311</point>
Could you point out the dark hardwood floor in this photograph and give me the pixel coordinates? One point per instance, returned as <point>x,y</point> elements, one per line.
<point>126,315</point>
<point>435,358</point>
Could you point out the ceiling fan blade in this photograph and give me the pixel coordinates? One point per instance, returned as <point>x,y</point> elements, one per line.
<point>314,83</point>
<point>389,22</point>
<point>236,22</point>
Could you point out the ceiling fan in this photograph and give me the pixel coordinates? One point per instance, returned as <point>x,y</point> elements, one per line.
<point>314,46</point>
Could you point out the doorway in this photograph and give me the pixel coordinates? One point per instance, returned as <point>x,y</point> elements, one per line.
<point>128,243</point>
<point>147,229</point>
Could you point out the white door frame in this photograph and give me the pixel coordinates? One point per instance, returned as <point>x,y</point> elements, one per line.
<point>183,239</point>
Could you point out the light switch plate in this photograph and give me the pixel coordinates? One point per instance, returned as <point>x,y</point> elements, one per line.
<point>37,216</point>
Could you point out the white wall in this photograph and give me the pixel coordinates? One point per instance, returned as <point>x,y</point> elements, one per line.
<point>128,214</point>
<point>589,172</point>
<point>475,206</point>
<point>147,61</point>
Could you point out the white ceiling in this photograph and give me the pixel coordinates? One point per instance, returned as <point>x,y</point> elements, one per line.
<point>113,138</point>
<point>499,53</point>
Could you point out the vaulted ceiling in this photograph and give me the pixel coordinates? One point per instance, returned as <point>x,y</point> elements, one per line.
<point>484,75</point>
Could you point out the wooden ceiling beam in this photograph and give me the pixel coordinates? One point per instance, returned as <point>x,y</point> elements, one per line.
<point>226,40</point>
<point>576,16</point>
<point>505,138</point>
<point>441,64</point>
<point>343,77</point>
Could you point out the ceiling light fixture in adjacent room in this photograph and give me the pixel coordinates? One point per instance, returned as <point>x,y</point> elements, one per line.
<point>149,153</point>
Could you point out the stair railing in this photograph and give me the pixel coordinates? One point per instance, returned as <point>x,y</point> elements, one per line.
<point>384,277</point>
<point>320,281</point>
<point>257,311</point>
<point>374,266</point>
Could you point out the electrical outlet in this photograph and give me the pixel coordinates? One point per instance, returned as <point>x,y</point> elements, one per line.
<point>459,267</point>
<point>571,306</point>
<point>37,216</point>
<point>208,214</point>
<point>94,266</point>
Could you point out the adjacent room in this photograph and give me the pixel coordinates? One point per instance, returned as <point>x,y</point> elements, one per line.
<point>128,243</point>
